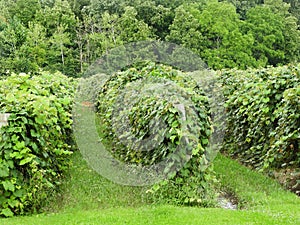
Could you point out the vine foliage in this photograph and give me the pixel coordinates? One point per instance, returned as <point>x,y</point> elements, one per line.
<point>141,112</point>
<point>36,144</point>
<point>263,120</point>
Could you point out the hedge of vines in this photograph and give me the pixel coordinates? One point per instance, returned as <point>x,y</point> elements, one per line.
<point>263,118</point>
<point>148,103</point>
<point>35,145</point>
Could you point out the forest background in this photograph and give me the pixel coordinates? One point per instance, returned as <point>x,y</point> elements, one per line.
<point>68,35</point>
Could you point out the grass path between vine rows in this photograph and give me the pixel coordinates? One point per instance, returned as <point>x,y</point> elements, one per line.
<point>87,198</point>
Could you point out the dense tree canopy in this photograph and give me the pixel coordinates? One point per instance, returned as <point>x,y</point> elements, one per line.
<point>68,35</point>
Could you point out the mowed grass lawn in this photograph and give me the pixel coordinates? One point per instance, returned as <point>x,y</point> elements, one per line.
<point>156,215</point>
<point>87,198</point>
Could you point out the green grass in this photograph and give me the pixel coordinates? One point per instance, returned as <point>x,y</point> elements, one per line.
<point>87,198</point>
<point>256,191</point>
<point>153,215</point>
<point>85,189</point>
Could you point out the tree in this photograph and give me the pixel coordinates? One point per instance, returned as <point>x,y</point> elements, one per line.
<point>81,40</point>
<point>294,9</point>
<point>60,24</point>
<point>79,6</point>
<point>173,4</point>
<point>213,31</point>
<point>34,49</point>
<point>291,33</point>
<point>186,28</point>
<point>266,28</point>
<point>98,7</point>
<point>157,17</point>
<point>5,15</point>
<point>132,29</point>
<point>59,41</point>
<point>275,32</point>
<point>108,35</point>
<point>25,10</point>
<point>60,14</point>
<point>242,6</point>
<point>12,38</point>
<point>291,40</point>
<point>227,46</point>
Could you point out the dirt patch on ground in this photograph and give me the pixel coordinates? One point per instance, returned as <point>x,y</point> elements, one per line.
<point>228,200</point>
<point>289,179</point>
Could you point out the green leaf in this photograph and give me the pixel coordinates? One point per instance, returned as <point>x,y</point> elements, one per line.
<point>266,100</point>
<point>175,123</point>
<point>204,141</point>
<point>12,202</point>
<point>172,138</point>
<point>7,212</point>
<point>19,193</point>
<point>26,160</point>
<point>20,145</point>
<point>33,133</point>
<point>10,97</point>
<point>195,151</point>
<point>39,120</point>
<point>172,110</point>
<point>4,172</point>
<point>8,186</point>
<point>265,109</point>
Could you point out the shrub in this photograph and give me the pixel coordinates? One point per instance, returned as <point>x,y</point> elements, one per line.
<point>34,147</point>
<point>142,110</point>
<point>263,116</point>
